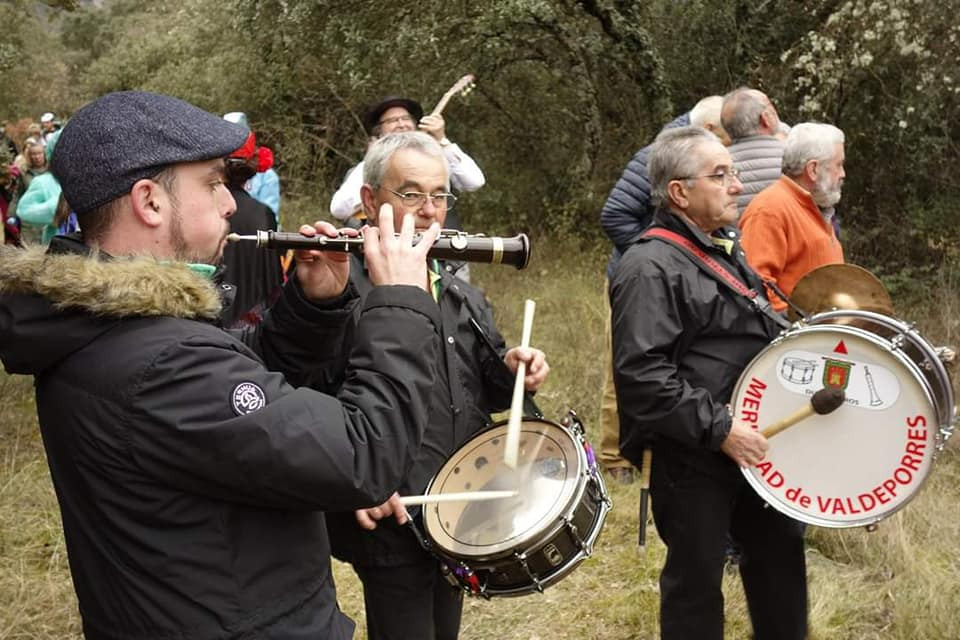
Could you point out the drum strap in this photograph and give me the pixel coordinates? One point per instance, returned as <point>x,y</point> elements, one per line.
<point>713,268</point>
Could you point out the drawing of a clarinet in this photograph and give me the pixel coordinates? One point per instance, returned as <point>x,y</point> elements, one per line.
<point>874,396</point>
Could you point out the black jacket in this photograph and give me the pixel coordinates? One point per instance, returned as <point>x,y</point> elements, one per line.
<point>190,474</point>
<point>680,342</point>
<point>472,383</point>
<point>256,273</point>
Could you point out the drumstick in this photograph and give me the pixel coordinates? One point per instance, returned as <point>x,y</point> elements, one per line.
<point>822,402</point>
<point>512,444</point>
<point>466,496</point>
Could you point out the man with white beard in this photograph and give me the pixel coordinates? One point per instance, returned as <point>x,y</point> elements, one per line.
<point>788,227</point>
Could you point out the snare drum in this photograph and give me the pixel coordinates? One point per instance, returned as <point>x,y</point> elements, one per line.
<point>518,545</point>
<point>864,461</point>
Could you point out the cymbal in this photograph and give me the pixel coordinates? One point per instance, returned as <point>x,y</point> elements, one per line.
<point>840,286</point>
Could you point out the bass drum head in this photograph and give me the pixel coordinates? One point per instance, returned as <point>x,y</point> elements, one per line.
<point>549,465</point>
<point>863,461</point>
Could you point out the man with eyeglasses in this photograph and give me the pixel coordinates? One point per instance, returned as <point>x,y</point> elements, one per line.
<point>405,594</point>
<point>753,124</point>
<point>626,213</point>
<point>682,335</point>
<point>788,229</point>
<point>395,115</point>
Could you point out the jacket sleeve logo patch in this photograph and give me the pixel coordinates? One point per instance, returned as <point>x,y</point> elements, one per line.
<point>247,398</point>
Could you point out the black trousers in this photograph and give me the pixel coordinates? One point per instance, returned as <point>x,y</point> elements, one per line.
<point>410,602</point>
<point>693,513</point>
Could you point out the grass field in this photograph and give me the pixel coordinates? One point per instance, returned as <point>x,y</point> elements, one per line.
<point>895,583</point>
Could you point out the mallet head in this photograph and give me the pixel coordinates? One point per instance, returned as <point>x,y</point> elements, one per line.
<point>827,400</point>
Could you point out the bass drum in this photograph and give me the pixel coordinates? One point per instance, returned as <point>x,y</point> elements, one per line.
<point>518,545</point>
<point>864,461</point>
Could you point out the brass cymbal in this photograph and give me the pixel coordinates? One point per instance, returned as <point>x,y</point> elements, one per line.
<point>840,286</point>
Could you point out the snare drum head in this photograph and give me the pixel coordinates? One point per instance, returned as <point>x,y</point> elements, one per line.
<point>857,464</point>
<point>547,478</point>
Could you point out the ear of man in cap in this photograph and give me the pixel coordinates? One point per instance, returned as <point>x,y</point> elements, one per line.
<point>127,136</point>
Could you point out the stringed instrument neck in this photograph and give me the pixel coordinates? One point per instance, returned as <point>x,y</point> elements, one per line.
<point>463,86</point>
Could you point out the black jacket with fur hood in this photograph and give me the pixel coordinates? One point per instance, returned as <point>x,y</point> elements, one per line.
<point>191,473</point>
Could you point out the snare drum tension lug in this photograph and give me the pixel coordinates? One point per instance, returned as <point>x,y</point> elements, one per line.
<point>871,527</point>
<point>522,560</point>
<point>575,534</point>
<point>572,422</point>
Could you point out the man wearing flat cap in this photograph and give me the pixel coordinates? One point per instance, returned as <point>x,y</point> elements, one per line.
<point>393,115</point>
<point>191,471</point>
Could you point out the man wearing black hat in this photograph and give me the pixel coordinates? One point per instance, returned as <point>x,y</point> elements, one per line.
<point>190,470</point>
<point>393,115</point>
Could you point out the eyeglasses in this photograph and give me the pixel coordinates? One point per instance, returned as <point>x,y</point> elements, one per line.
<point>416,199</point>
<point>724,177</point>
<point>396,119</point>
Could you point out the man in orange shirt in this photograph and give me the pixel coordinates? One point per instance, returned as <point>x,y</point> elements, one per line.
<point>788,227</point>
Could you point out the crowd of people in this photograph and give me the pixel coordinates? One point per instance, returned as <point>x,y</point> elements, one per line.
<point>219,422</point>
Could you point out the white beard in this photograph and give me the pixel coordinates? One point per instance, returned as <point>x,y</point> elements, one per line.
<point>825,194</point>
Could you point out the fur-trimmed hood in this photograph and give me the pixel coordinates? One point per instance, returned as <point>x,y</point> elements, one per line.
<point>55,301</point>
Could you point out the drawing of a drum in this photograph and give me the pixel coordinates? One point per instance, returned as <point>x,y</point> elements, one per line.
<point>864,461</point>
<point>797,370</point>
<point>518,545</point>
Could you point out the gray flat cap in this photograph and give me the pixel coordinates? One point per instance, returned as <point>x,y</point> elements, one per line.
<point>126,136</point>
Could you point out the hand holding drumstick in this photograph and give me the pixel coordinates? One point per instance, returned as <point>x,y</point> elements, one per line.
<point>531,368</point>
<point>396,505</point>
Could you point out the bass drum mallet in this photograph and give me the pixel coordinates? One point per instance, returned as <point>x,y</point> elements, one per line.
<point>822,402</point>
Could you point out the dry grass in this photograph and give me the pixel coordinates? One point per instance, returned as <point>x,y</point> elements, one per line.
<point>893,584</point>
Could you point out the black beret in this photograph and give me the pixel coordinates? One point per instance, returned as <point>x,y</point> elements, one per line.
<point>372,118</point>
<point>126,136</point>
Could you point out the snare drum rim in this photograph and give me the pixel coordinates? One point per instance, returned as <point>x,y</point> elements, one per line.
<point>529,539</point>
<point>603,506</point>
<point>878,341</point>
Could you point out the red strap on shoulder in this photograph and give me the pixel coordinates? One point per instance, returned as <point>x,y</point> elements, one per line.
<point>701,255</point>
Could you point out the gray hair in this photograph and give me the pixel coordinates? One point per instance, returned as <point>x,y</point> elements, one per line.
<point>741,112</point>
<point>674,156</point>
<point>809,141</point>
<point>379,154</point>
<point>707,111</point>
